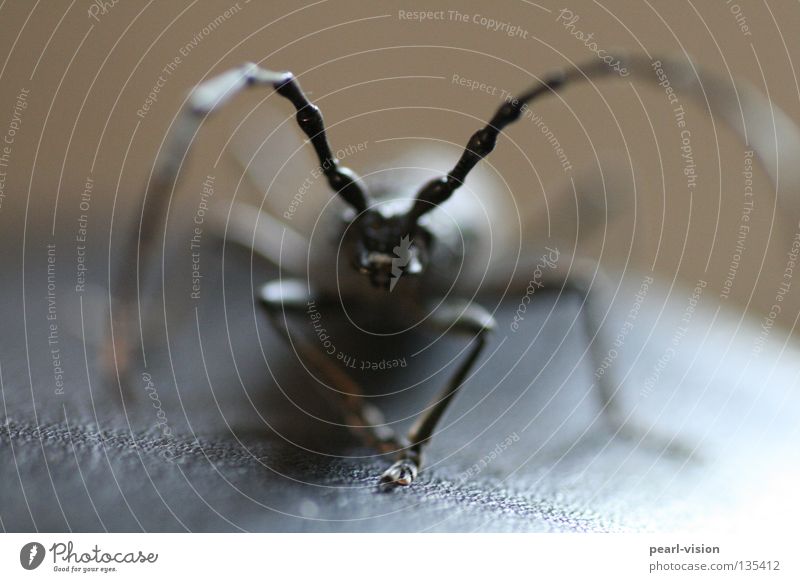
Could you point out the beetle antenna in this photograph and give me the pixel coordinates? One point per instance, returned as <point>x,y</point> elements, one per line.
<point>483,141</point>
<point>342,180</point>
<point>209,96</point>
<point>204,100</point>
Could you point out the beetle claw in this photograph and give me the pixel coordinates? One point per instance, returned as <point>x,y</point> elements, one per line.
<point>402,473</point>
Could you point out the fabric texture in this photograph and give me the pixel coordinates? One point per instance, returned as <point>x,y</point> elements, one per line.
<point>251,446</point>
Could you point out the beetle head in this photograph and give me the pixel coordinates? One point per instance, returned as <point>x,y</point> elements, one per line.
<point>387,249</point>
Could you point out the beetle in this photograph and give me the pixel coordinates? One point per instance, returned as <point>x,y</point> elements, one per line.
<point>402,253</point>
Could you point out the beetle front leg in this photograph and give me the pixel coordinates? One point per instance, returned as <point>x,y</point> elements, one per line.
<point>363,419</point>
<point>464,318</point>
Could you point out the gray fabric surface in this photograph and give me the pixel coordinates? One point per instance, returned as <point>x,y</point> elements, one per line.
<point>246,454</point>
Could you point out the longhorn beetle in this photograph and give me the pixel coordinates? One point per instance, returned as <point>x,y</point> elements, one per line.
<point>392,241</point>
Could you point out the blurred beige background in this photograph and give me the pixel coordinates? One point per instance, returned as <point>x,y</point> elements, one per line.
<point>89,67</point>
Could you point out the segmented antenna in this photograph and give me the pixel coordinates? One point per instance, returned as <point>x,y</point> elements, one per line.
<point>483,141</point>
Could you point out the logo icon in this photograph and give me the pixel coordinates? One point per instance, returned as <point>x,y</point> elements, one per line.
<point>401,259</point>
<point>31,555</point>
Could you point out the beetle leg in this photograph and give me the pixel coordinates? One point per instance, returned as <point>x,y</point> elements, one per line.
<point>586,279</point>
<point>465,318</point>
<point>363,419</point>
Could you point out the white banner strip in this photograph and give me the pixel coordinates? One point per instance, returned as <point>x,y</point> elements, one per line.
<point>351,557</point>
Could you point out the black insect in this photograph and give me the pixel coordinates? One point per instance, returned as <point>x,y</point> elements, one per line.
<point>401,256</point>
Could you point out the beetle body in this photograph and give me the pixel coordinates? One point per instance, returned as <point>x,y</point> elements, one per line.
<point>401,258</point>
